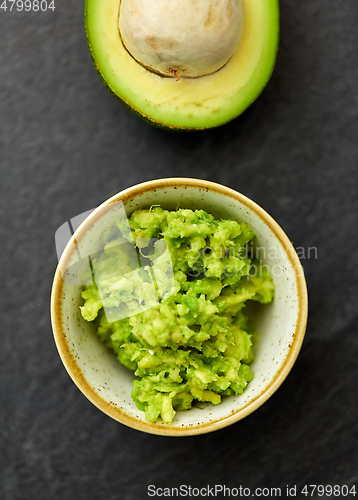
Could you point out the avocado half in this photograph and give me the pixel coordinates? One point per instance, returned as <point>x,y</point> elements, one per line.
<point>191,103</point>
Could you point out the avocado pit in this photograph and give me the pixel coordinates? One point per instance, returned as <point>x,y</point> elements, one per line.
<point>181,38</point>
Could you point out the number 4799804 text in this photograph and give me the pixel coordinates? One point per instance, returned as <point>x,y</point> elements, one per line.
<point>27,5</point>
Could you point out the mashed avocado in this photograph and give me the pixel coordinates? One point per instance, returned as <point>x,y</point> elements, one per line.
<point>195,342</point>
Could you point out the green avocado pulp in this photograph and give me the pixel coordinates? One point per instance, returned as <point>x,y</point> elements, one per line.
<point>196,343</point>
<point>191,103</point>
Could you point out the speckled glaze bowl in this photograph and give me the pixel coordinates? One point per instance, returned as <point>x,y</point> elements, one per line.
<point>281,325</point>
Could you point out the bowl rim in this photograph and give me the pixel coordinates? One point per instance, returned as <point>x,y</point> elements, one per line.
<point>166,430</point>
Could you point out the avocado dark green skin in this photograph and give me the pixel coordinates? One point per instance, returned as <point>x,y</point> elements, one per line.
<point>146,118</point>
<point>126,104</point>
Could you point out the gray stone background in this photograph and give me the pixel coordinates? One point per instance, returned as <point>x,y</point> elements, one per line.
<point>67,145</point>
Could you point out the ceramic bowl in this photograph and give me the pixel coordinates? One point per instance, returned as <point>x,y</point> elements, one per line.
<point>281,324</point>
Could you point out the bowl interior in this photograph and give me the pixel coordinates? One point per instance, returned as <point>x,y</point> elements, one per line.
<point>108,384</point>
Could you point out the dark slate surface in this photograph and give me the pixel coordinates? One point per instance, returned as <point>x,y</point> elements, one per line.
<point>67,145</point>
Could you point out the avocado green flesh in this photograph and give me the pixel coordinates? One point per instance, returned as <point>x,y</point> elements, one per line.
<point>191,103</point>
<point>196,344</point>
